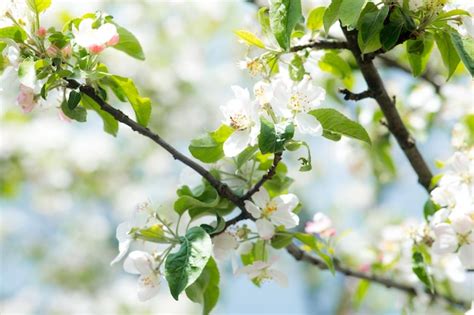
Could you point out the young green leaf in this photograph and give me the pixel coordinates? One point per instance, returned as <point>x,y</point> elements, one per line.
<point>208,148</point>
<point>79,113</point>
<point>38,6</point>
<point>448,52</point>
<point>465,48</point>
<point>128,43</point>
<point>331,14</point>
<point>110,124</point>
<point>272,137</point>
<point>371,23</point>
<point>331,62</point>
<point>281,240</point>
<point>313,244</point>
<point>418,54</point>
<point>73,100</point>
<point>296,68</point>
<point>124,87</point>
<point>183,267</point>
<point>315,18</point>
<point>284,15</point>
<point>250,38</point>
<point>14,33</point>
<point>205,290</point>
<point>349,11</point>
<point>419,268</point>
<point>336,123</point>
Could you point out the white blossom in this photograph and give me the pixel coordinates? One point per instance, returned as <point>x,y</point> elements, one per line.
<point>143,264</point>
<point>95,39</point>
<point>224,245</point>
<point>321,224</point>
<point>261,270</point>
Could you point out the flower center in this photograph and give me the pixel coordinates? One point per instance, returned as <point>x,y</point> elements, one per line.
<point>298,103</point>
<point>254,67</point>
<point>269,208</point>
<point>240,121</point>
<point>148,281</point>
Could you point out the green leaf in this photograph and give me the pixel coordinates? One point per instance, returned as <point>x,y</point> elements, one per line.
<point>429,209</point>
<point>129,44</point>
<point>399,21</point>
<point>73,100</point>
<point>371,23</point>
<point>27,72</point>
<point>315,18</point>
<point>205,290</point>
<point>14,33</point>
<point>79,113</point>
<point>154,233</point>
<point>420,269</point>
<point>465,48</point>
<point>314,245</point>
<point>272,137</point>
<point>264,20</point>
<point>281,240</point>
<point>349,11</point>
<point>284,15</point>
<point>331,62</point>
<point>208,148</point>
<point>188,200</point>
<point>250,38</point>
<point>448,52</point>
<point>336,123</point>
<point>361,292</point>
<point>418,54</point>
<point>331,14</point>
<point>296,68</point>
<point>124,87</point>
<point>110,124</point>
<point>184,267</point>
<point>452,13</point>
<point>38,6</point>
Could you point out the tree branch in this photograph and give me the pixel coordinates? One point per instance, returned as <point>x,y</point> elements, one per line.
<point>348,95</point>
<point>300,255</point>
<point>395,64</point>
<point>321,44</point>
<point>270,173</point>
<point>386,104</point>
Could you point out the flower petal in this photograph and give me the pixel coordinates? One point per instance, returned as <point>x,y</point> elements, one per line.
<point>148,287</point>
<point>287,202</point>
<point>139,262</point>
<point>265,229</point>
<point>284,217</point>
<point>280,278</point>
<point>123,249</point>
<point>308,124</point>
<point>255,211</point>
<point>466,256</point>
<point>236,143</point>
<point>261,198</point>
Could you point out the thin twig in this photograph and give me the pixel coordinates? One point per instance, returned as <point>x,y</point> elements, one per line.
<point>270,173</point>
<point>348,95</point>
<point>321,44</point>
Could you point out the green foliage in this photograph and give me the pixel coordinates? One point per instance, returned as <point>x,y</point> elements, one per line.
<point>209,148</point>
<point>370,24</point>
<point>78,113</point>
<point>331,62</point>
<point>448,52</point>
<point>110,124</point>
<point>273,137</point>
<point>125,88</point>
<point>331,14</point>
<point>205,290</point>
<point>315,18</point>
<point>419,267</point>
<point>399,23</point>
<point>336,124</point>
<point>419,53</point>
<point>250,38</point>
<point>73,99</point>
<point>129,44</point>
<point>284,15</point>
<point>296,68</point>
<point>281,239</point>
<point>14,33</point>
<point>465,48</point>
<point>361,292</point>
<point>350,11</point>
<point>184,267</point>
<point>316,246</point>
<point>38,6</point>
<point>154,233</point>
<point>430,208</point>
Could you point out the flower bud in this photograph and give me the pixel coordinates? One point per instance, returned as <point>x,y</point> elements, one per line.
<point>114,40</point>
<point>52,51</point>
<point>41,32</point>
<point>26,98</point>
<point>66,52</point>
<point>96,49</point>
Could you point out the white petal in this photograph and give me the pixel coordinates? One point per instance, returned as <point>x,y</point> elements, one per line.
<point>284,217</point>
<point>139,262</point>
<point>287,202</point>
<point>319,224</point>
<point>445,240</point>
<point>123,249</point>
<point>466,255</point>
<point>265,229</point>
<point>236,143</point>
<point>107,31</point>
<point>255,211</point>
<point>224,245</point>
<point>280,278</point>
<point>148,287</point>
<point>261,198</point>
<point>241,93</point>
<point>308,124</point>
<point>122,231</point>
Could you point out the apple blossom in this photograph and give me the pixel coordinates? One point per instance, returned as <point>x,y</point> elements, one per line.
<point>95,39</point>
<point>321,224</point>
<point>261,270</point>
<point>241,114</point>
<point>142,263</point>
<point>224,244</point>
<point>270,213</point>
<point>26,98</point>
<point>293,100</point>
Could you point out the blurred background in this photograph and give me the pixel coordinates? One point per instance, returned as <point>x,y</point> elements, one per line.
<point>64,187</point>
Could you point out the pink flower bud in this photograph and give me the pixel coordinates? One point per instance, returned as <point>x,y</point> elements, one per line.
<point>365,268</point>
<point>52,51</point>
<point>67,51</point>
<point>96,49</point>
<point>114,40</point>
<point>41,32</point>
<point>26,98</point>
